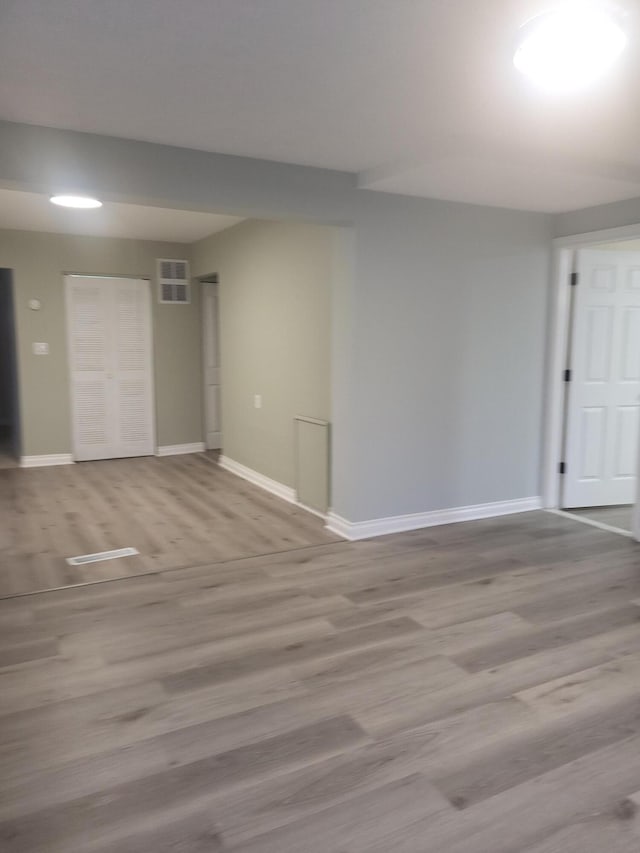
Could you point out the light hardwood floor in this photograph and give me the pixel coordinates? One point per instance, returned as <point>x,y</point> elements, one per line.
<point>467,689</point>
<point>176,511</point>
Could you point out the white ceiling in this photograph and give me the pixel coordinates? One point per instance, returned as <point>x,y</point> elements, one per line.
<point>417,96</point>
<point>33,212</point>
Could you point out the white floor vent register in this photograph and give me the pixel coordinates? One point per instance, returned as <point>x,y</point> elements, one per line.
<point>102,555</point>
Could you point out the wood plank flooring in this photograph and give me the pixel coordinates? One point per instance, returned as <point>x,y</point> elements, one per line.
<point>176,511</point>
<point>466,689</point>
<point>616,516</point>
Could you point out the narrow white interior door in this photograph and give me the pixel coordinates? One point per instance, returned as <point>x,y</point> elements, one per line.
<point>211,350</point>
<point>603,412</point>
<point>109,329</point>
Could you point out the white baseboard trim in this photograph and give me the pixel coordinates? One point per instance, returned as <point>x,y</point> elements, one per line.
<point>318,513</point>
<point>266,483</point>
<point>46,460</point>
<point>177,449</point>
<point>354,530</point>
<point>273,486</point>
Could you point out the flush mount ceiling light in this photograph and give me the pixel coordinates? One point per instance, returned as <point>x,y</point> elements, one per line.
<point>569,46</point>
<point>80,201</point>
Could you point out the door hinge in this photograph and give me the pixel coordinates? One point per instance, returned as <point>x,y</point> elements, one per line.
<point>567,375</point>
<point>562,468</point>
<point>573,279</point>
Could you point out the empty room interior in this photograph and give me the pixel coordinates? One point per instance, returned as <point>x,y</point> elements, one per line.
<point>319,426</point>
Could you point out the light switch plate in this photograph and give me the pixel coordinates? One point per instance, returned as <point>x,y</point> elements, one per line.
<point>257,401</point>
<point>40,348</point>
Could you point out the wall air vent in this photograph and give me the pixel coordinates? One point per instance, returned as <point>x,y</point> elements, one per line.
<point>173,282</point>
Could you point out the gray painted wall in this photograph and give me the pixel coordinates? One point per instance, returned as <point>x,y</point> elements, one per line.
<point>451,347</point>
<point>597,218</point>
<point>438,338</point>
<point>275,325</point>
<point>39,262</point>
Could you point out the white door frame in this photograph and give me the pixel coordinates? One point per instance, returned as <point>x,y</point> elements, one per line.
<point>557,351</point>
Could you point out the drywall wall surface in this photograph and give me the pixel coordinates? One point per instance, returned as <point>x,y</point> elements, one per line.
<point>42,159</point>
<point>597,218</point>
<point>342,438</point>
<point>39,263</point>
<point>451,307</point>
<point>621,246</point>
<point>274,307</point>
<point>438,331</point>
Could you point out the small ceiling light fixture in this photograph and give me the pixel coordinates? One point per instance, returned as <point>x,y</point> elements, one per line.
<point>568,47</point>
<point>80,201</point>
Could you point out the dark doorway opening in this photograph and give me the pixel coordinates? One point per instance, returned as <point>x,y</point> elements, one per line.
<point>9,409</point>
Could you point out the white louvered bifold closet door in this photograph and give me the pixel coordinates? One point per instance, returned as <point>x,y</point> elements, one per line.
<point>110,360</point>
<point>133,403</point>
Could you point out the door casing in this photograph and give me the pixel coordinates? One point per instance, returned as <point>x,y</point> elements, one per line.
<point>602,404</point>
<point>557,349</point>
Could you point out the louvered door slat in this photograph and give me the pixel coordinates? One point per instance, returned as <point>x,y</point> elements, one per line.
<point>133,415</point>
<point>89,313</point>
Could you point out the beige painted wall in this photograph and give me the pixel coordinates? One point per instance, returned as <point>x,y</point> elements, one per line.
<point>39,262</point>
<point>275,302</point>
<point>623,246</point>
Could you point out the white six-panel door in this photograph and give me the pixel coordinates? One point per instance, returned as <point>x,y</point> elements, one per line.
<point>109,331</point>
<point>603,408</point>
